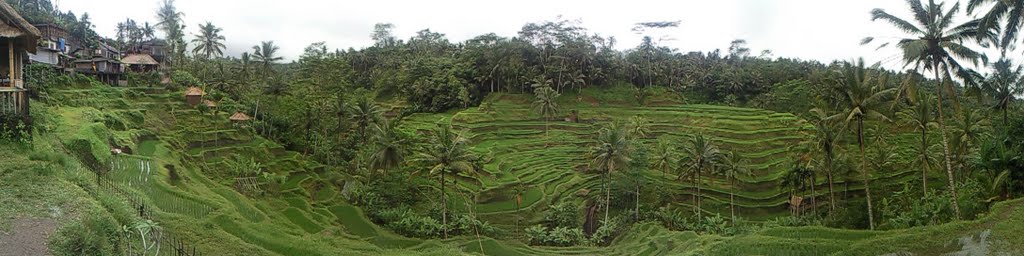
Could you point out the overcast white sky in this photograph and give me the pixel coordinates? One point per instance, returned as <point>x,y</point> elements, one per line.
<point>806,29</point>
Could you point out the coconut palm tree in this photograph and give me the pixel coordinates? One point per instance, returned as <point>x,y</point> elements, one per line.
<point>639,127</point>
<point>390,146</point>
<point>1010,10</point>
<point>968,131</point>
<point>863,92</point>
<point>446,152</point>
<point>796,179</point>
<point>209,43</point>
<point>936,44</point>
<point>826,137</point>
<point>611,153</point>
<point>266,55</point>
<point>733,167</point>
<point>1005,84</point>
<point>700,157</point>
<point>545,103</point>
<point>148,32</point>
<point>920,117</point>
<point>663,156</point>
<point>365,114</point>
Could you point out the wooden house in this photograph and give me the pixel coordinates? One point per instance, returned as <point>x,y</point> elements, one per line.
<point>156,48</point>
<point>55,47</point>
<point>194,96</point>
<point>103,63</point>
<point>140,63</point>
<point>19,37</point>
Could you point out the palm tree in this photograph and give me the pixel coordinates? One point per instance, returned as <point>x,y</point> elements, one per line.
<point>937,45</point>
<point>734,166</point>
<point>447,152</point>
<point>1006,82</point>
<point>663,156</point>
<point>639,127</point>
<point>266,55</point>
<point>701,157</point>
<point>245,61</point>
<point>968,130</point>
<point>611,153</point>
<point>863,93</point>
<point>826,137</point>
<point>545,104</point>
<point>209,43</point>
<point>148,32</point>
<point>170,21</point>
<point>1010,10</point>
<point>919,116</point>
<point>796,180</point>
<point>365,114</point>
<point>390,147</point>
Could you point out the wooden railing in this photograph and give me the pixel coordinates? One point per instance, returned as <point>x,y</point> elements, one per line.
<point>13,100</point>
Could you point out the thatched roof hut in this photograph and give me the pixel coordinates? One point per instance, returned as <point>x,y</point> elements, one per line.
<point>15,27</point>
<point>210,103</point>
<point>140,62</point>
<point>194,95</point>
<point>239,117</point>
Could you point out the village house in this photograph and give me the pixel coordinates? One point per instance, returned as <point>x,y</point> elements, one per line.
<point>55,46</point>
<point>18,37</point>
<point>139,62</point>
<point>103,63</point>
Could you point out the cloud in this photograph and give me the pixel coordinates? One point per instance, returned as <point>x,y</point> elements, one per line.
<point>806,29</point>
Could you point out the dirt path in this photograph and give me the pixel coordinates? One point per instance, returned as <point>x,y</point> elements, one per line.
<point>27,237</point>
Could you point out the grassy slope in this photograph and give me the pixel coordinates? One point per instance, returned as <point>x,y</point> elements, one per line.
<point>220,221</point>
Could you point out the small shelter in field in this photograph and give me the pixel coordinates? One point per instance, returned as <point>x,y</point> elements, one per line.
<point>19,37</point>
<point>194,96</point>
<point>140,63</point>
<point>210,103</point>
<point>239,117</point>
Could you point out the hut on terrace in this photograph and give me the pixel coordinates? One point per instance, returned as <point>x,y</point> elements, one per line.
<point>19,37</point>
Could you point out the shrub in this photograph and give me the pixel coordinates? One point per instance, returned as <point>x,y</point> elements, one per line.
<point>182,79</point>
<point>96,234</point>
<point>563,214</point>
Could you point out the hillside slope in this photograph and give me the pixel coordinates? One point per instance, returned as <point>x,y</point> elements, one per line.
<point>181,161</point>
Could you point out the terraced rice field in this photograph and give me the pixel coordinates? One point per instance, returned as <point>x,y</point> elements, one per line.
<point>552,165</point>
<point>548,166</point>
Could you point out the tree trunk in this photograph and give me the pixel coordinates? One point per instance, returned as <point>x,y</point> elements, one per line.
<point>945,147</point>
<point>444,208</point>
<point>831,183</point>
<point>607,195</point>
<point>732,201</point>
<point>924,160</point>
<point>697,181</point>
<point>814,194</point>
<point>864,173</point>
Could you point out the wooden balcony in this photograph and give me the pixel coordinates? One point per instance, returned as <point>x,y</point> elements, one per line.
<point>13,101</point>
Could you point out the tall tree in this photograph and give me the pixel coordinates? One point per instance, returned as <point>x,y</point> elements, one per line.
<point>612,152</point>
<point>446,152</point>
<point>936,44</point>
<point>826,136</point>
<point>209,43</point>
<point>266,54</point>
<point>1010,11</point>
<point>863,92</point>
<point>920,117</point>
<point>389,146</point>
<point>734,167</point>
<point>663,156</point>
<point>170,21</point>
<point>1004,86</point>
<point>700,156</point>
<point>545,103</point>
<point>365,113</point>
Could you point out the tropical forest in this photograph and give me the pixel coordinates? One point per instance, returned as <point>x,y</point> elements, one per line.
<point>162,133</point>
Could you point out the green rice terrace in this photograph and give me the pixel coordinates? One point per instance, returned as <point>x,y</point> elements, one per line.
<point>176,170</point>
<point>884,128</point>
